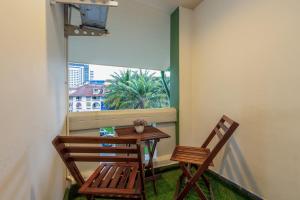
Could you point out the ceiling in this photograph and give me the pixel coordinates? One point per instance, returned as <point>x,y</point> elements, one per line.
<point>170,5</point>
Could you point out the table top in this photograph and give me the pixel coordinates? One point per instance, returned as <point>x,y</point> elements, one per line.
<point>150,133</point>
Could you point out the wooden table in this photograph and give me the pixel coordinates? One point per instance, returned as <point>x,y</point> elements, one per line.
<point>150,134</point>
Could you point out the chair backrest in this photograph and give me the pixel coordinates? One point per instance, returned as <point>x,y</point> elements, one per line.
<point>74,149</point>
<point>225,125</point>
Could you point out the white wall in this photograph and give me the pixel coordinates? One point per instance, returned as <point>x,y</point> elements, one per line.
<point>32,75</point>
<point>245,63</point>
<point>140,37</point>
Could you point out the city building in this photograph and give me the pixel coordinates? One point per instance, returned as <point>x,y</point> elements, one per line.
<point>91,75</point>
<point>97,82</point>
<point>78,74</point>
<point>87,97</point>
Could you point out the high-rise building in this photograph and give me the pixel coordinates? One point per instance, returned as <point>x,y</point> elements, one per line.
<point>78,74</point>
<point>92,75</point>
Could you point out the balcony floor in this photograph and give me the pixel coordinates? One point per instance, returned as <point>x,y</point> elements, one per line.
<point>166,187</point>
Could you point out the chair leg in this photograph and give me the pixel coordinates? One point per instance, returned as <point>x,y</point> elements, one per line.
<point>190,184</point>
<point>151,150</point>
<point>143,196</point>
<point>206,182</point>
<point>154,180</point>
<point>186,190</point>
<point>178,185</point>
<point>188,174</point>
<point>208,185</point>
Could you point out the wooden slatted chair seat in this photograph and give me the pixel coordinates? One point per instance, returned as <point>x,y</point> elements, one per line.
<point>114,180</point>
<point>193,155</point>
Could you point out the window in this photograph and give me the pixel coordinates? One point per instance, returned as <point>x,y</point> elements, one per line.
<point>88,98</point>
<point>78,106</point>
<point>96,106</point>
<point>96,98</point>
<point>78,98</point>
<point>96,91</point>
<point>107,132</point>
<point>117,88</point>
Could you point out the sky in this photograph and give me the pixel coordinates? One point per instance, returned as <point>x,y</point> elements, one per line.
<point>102,72</point>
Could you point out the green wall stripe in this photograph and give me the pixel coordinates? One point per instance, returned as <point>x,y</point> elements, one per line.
<point>174,95</point>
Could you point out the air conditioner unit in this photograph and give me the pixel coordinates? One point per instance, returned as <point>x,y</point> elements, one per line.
<point>93,16</point>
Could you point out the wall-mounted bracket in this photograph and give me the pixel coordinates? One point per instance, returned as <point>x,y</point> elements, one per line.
<point>71,30</point>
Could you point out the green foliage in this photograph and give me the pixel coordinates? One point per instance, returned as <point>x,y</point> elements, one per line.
<point>109,130</point>
<point>135,90</point>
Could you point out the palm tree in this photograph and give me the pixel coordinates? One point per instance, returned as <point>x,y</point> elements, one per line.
<point>135,90</point>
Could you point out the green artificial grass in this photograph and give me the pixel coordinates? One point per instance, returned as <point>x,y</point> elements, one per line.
<point>166,185</point>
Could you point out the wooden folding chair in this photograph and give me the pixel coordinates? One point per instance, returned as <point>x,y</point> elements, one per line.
<point>201,157</point>
<point>120,173</point>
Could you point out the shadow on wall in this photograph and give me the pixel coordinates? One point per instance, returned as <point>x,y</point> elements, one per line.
<point>235,166</point>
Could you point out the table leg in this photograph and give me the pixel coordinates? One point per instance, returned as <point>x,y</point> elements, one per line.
<point>149,166</point>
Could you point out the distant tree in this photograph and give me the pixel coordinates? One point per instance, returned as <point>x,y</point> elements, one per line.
<point>135,90</point>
